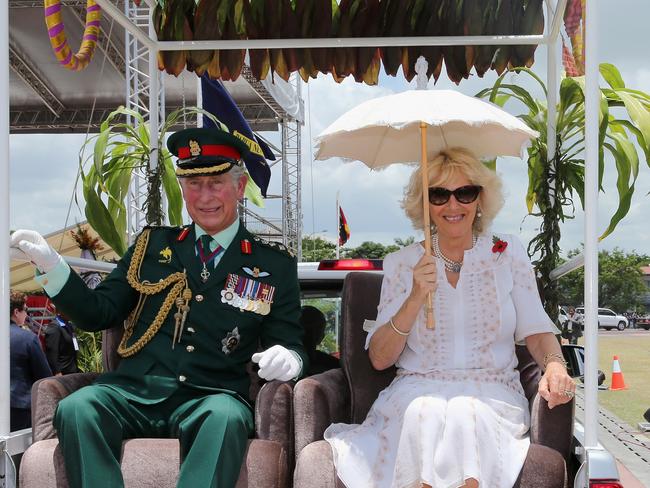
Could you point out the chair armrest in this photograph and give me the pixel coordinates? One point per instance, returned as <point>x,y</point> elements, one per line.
<point>319,401</point>
<point>552,427</point>
<point>46,395</point>
<point>273,414</point>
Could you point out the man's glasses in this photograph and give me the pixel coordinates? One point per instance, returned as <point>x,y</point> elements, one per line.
<point>464,194</point>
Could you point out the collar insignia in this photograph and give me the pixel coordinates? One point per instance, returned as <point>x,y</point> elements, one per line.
<point>165,256</point>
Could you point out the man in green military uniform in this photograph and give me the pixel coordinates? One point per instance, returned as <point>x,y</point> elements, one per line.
<point>198,303</point>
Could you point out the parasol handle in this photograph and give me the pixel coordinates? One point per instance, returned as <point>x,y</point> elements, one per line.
<point>427,225</point>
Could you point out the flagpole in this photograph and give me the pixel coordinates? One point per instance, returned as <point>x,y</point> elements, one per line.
<point>338,226</point>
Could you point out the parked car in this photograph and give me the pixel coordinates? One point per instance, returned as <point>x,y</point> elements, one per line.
<point>643,322</point>
<point>608,319</point>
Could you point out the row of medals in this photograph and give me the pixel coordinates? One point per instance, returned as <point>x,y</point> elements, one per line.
<point>258,304</point>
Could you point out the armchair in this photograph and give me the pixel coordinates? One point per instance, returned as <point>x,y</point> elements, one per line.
<point>347,393</point>
<point>155,462</point>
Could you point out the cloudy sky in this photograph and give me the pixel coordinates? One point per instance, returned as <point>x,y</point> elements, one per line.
<point>43,168</point>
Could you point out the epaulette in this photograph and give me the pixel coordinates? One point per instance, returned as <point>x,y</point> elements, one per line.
<point>274,245</point>
<point>167,227</point>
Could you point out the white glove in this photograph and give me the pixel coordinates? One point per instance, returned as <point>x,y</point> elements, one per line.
<point>28,245</point>
<point>277,363</point>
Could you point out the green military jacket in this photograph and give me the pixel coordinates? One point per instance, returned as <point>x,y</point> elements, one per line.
<point>218,338</point>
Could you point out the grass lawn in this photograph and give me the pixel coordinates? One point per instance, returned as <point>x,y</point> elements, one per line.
<point>633,352</point>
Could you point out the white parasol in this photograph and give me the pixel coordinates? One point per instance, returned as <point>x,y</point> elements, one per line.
<point>415,126</point>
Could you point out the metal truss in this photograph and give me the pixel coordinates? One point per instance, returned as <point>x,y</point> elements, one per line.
<point>139,89</point>
<point>291,178</point>
<point>69,121</point>
<point>33,78</point>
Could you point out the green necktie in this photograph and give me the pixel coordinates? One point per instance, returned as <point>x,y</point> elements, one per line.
<point>206,242</point>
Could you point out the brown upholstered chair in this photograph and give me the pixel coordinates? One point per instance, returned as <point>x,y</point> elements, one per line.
<point>154,462</point>
<point>346,395</point>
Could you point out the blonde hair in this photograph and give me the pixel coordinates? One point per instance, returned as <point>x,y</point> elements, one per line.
<point>443,168</point>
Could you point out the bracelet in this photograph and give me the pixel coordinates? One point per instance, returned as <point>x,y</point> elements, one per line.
<point>553,357</point>
<point>400,332</point>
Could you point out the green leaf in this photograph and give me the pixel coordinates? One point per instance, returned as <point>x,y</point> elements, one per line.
<point>172,190</point>
<point>611,75</point>
<point>100,219</point>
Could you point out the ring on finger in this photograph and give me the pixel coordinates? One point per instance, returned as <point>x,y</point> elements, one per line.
<point>569,393</point>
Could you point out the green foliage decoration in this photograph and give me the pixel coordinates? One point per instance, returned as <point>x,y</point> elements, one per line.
<point>555,180</point>
<point>188,20</point>
<point>120,149</point>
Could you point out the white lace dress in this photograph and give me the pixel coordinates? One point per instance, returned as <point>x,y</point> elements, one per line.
<point>456,409</point>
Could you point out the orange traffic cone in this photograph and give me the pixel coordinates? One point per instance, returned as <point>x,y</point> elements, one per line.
<point>618,383</point>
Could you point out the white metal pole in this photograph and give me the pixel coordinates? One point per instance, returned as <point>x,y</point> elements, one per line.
<point>592,99</point>
<point>338,226</point>
<point>552,82</point>
<point>5,279</point>
<point>153,98</point>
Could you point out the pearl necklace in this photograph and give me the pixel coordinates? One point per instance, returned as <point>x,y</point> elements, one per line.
<point>450,265</point>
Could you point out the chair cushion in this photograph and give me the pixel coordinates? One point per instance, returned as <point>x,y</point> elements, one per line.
<point>543,468</point>
<point>153,463</point>
<point>315,467</point>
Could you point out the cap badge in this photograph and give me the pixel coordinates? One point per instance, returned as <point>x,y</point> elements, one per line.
<point>231,341</point>
<point>165,256</point>
<point>195,148</point>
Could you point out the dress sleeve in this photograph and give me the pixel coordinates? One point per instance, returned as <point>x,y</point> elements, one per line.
<point>531,316</point>
<point>393,293</point>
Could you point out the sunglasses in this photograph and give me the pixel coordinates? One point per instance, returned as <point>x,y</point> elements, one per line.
<point>463,194</point>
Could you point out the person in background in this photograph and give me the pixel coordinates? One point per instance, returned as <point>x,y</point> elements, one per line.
<point>61,346</point>
<point>27,363</point>
<point>314,323</point>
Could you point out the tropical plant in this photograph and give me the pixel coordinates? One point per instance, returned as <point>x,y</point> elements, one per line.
<point>554,180</point>
<point>89,358</point>
<point>120,149</point>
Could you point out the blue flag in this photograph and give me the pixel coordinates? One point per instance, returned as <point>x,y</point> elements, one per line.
<point>219,103</point>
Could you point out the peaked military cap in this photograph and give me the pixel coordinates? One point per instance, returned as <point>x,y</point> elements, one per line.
<point>206,151</point>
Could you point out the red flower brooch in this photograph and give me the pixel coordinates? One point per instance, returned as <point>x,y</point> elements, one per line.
<point>498,246</point>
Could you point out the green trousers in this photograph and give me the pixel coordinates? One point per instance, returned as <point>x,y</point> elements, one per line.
<point>212,430</point>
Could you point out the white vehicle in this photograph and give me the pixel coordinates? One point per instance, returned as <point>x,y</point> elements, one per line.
<point>608,319</point>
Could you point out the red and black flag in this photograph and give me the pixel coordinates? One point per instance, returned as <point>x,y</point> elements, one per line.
<point>344,230</point>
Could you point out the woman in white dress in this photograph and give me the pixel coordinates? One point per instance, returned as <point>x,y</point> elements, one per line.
<point>456,414</point>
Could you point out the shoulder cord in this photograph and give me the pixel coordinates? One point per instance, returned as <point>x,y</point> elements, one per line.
<point>146,288</point>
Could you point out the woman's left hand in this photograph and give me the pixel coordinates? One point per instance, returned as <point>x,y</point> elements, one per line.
<point>556,386</point>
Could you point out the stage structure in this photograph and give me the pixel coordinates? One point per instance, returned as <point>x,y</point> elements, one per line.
<point>46,98</point>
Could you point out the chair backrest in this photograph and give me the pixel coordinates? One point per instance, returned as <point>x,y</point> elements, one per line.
<point>359,300</point>
<point>360,297</point>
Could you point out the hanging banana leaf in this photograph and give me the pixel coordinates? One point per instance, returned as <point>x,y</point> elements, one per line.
<point>451,19</point>
<point>530,21</point>
<point>368,61</point>
<point>321,26</point>
<point>394,23</point>
<point>504,26</point>
<point>230,17</point>
<point>175,26</point>
<point>274,20</point>
<point>255,27</point>
<point>205,28</point>
<point>485,54</point>
<point>472,26</point>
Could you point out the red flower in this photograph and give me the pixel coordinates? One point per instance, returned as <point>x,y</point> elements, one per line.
<point>499,245</point>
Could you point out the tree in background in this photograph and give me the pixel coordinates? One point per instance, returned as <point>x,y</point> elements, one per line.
<point>317,249</point>
<point>620,283</point>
